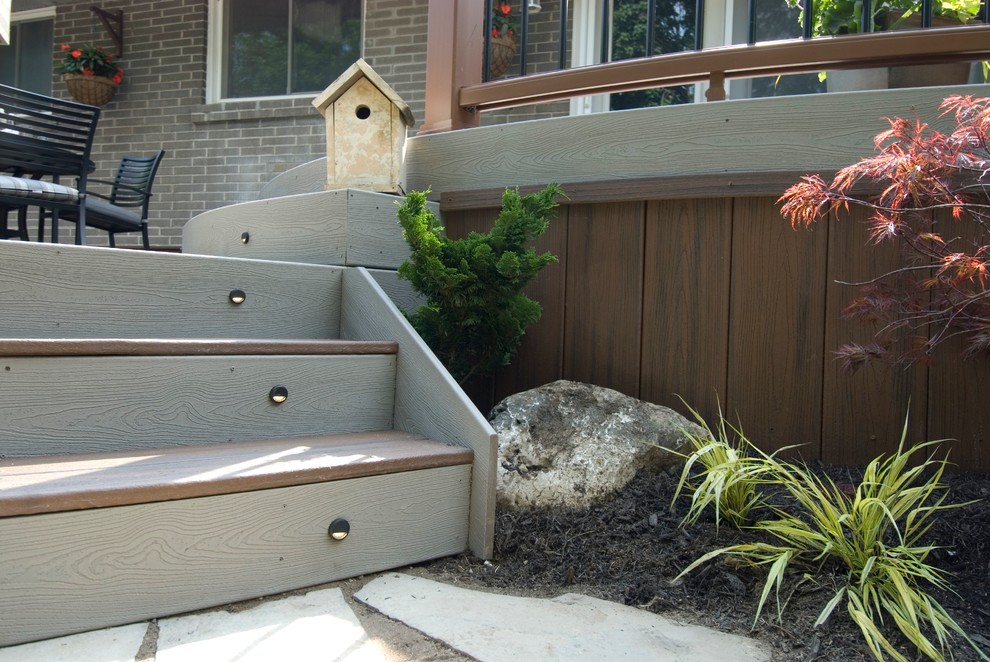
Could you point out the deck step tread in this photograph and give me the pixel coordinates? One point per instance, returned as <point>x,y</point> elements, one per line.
<point>35,485</point>
<point>187,347</point>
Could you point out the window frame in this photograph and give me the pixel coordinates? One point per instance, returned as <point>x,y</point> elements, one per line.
<point>30,16</point>
<point>216,33</point>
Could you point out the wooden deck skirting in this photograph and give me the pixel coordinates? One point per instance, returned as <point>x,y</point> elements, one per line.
<point>31,486</point>
<point>713,185</point>
<point>186,347</point>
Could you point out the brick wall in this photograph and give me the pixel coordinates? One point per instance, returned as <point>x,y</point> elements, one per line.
<point>217,154</point>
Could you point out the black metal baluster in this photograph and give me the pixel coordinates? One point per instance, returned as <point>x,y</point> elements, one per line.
<point>487,59</point>
<point>807,18</point>
<point>524,26</point>
<point>751,9</point>
<point>926,13</point>
<point>564,11</point>
<point>606,30</point>
<point>699,24</point>
<point>866,18</point>
<point>651,21</point>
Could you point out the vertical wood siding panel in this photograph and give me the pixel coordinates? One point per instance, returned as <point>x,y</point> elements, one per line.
<point>602,324</point>
<point>958,387</point>
<point>776,328</point>
<point>540,357</point>
<point>863,412</point>
<point>686,303</point>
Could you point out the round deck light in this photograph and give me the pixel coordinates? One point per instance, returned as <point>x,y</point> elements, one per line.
<point>278,394</point>
<point>339,528</point>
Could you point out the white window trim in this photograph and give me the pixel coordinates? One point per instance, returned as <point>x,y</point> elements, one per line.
<point>214,55</point>
<point>32,15</point>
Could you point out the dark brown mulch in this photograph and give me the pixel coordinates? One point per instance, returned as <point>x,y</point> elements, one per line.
<point>630,550</point>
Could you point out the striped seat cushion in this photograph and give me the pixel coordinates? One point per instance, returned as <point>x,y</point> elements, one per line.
<point>36,189</point>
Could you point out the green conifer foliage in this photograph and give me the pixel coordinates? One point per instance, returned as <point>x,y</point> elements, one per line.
<point>476,314</point>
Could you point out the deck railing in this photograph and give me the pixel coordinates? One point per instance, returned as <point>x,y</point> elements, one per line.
<point>456,94</point>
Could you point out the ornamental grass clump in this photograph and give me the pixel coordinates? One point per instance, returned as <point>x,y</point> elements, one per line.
<point>721,473</point>
<point>874,538</point>
<point>475,313</point>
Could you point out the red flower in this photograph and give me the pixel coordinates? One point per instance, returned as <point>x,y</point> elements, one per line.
<point>87,71</point>
<point>495,33</point>
<point>66,47</point>
<point>505,9</point>
<point>77,53</point>
<point>117,78</point>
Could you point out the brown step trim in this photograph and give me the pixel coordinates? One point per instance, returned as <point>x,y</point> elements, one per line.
<point>187,347</point>
<point>35,485</point>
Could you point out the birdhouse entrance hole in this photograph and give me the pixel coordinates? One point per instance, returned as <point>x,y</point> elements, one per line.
<point>363,112</point>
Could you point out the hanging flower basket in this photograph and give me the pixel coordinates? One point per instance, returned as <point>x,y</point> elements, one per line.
<point>92,90</point>
<point>502,54</point>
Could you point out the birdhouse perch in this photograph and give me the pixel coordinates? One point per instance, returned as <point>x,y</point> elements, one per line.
<point>366,130</point>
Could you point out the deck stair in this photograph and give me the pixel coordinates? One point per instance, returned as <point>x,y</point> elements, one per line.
<point>181,431</point>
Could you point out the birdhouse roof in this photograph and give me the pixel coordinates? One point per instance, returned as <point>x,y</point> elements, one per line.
<point>361,69</point>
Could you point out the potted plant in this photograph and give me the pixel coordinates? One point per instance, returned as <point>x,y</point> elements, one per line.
<point>839,17</point>
<point>503,38</point>
<point>90,74</point>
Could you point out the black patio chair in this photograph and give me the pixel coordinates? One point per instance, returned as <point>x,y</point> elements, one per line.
<point>125,209</point>
<point>42,136</point>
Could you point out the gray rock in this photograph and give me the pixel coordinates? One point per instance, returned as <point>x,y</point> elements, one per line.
<point>570,445</point>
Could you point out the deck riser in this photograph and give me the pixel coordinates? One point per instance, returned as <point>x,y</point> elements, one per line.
<point>112,566</point>
<point>53,291</point>
<point>65,405</point>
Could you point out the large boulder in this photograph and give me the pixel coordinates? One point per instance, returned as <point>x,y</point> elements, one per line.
<point>570,445</point>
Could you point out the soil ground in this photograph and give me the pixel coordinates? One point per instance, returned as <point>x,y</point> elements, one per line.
<point>631,548</point>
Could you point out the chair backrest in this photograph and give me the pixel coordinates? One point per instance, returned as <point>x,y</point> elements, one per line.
<point>132,185</point>
<point>44,135</point>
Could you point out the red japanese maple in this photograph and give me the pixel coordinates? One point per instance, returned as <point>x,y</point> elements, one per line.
<point>940,290</point>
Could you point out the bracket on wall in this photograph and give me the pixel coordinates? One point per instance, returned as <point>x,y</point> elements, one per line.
<point>113,21</point>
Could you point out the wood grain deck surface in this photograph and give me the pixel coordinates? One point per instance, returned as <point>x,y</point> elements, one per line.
<point>187,347</point>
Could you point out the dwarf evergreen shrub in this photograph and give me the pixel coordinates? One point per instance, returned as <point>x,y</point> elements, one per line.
<point>476,314</point>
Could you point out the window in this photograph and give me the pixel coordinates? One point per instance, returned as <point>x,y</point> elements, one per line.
<point>264,48</point>
<point>27,62</point>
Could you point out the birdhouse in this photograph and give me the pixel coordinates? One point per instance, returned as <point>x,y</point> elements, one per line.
<point>366,130</point>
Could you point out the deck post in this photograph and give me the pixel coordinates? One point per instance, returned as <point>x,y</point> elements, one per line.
<point>453,60</point>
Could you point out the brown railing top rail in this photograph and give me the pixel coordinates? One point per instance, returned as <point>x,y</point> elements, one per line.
<point>715,65</point>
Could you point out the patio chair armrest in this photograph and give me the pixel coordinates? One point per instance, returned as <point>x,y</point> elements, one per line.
<point>136,189</point>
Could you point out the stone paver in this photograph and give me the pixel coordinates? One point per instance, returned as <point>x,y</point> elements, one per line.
<point>320,625</point>
<point>572,627</point>
<point>118,644</point>
<point>316,626</point>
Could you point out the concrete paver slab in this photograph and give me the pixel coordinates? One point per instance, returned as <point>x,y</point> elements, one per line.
<point>500,628</point>
<point>316,626</point>
<point>119,644</point>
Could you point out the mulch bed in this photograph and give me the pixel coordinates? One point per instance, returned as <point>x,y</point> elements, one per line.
<point>631,548</point>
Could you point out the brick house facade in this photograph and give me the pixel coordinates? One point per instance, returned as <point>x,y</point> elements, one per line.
<point>223,153</point>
